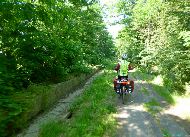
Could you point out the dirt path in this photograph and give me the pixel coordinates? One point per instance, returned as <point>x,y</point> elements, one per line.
<point>134,121</point>
<point>58,110</point>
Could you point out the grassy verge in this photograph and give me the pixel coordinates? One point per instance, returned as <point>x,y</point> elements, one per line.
<point>144,90</point>
<point>152,107</point>
<point>92,112</point>
<point>156,83</point>
<point>166,133</point>
<point>142,76</point>
<point>163,91</point>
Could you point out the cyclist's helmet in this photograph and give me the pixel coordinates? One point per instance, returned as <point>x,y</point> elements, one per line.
<point>124,56</point>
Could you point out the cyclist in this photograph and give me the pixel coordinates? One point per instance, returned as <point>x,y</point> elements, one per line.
<point>122,70</point>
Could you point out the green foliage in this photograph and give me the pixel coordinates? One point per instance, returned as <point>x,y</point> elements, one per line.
<point>156,33</point>
<point>17,109</point>
<point>45,41</point>
<point>166,133</point>
<point>9,110</point>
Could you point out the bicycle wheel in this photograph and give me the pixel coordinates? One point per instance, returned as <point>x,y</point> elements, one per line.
<point>123,93</point>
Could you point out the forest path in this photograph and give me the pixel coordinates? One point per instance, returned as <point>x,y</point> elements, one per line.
<point>134,121</point>
<point>132,117</point>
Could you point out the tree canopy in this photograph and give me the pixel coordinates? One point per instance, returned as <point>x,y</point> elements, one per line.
<point>45,40</point>
<point>157,33</point>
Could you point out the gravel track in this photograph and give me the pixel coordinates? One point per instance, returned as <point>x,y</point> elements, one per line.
<point>134,121</point>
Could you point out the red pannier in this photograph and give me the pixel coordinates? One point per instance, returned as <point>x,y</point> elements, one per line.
<point>129,84</point>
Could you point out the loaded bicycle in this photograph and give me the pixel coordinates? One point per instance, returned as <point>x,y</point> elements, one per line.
<point>122,85</point>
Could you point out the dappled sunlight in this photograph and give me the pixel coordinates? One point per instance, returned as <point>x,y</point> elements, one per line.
<point>158,80</point>
<point>108,119</point>
<point>141,82</point>
<point>121,123</point>
<point>181,108</point>
<point>132,120</point>
<point>123,110</point>
<point>109,71</point>
<point>135,120</point>
<point>123,113</point>
<point>180,112</point>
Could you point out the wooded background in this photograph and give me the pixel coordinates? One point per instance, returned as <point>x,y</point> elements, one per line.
<point>44,42</point>
<point>157,37</point>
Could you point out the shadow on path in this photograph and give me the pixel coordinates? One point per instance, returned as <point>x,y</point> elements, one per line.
<point>134,121</point>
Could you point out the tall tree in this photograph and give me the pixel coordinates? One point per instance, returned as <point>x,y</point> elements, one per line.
<point>157,33</point>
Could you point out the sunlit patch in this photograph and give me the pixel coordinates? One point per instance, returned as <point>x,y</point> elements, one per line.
<point>109,71</point>
<point>181,108</point>
<point>19,66</point>
<point>158,80</point>
<point>146,122</point>
<point>109,119</point>
<point>133,70</point>
<point>122,115</point>
<point>155,68</point>
<point>141,81</point>
<point>108,2</point>
<point>132,125</point>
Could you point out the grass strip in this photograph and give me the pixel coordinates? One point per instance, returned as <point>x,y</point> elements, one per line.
<point>166,133</point>
<point>144,90</point>
<point>142,76</point>
<point>163,91</point>
<point>92,112</point>
<point>152,107</point>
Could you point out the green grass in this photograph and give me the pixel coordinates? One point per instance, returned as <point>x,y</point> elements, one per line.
<point>53,129</point>
<point>149,106</point>
<point>92,112</point>
<point>166,133</point>
<point>144,90</point>
<point>162,91</point>
<point>143,76</point>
